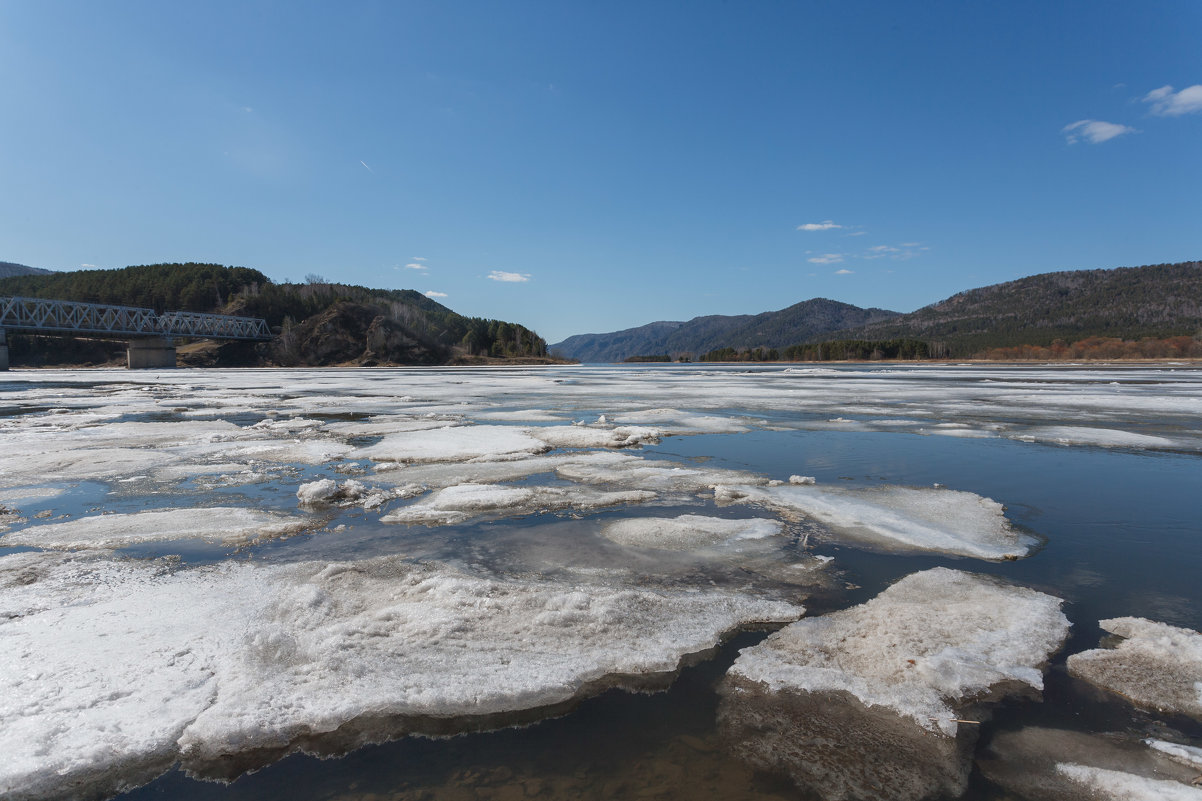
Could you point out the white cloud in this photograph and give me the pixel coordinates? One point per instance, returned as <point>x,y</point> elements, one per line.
<point>433,294</point>
<point>906,250</point>
<point>89,266</point>
<point>509,278</point>
<point>822,226</point>
<point>419,258</point>
<point>827,258</point>
<point>843,271</point>
<point>416,266</point>
<point>858,233</point>
<point>1094,131</point>
<point>1167,103</point>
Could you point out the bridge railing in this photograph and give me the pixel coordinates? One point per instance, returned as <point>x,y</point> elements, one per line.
<point>223,326</point>
<point>61,316</point>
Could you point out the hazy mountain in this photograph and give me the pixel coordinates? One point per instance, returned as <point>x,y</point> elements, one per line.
<point>8,268</point>
<point>800,322</point>
<point>1160,300</point>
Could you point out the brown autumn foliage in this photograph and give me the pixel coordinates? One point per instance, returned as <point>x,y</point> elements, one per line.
<point>1109,348</point>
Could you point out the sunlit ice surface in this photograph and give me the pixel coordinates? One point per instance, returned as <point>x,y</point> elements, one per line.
<point>217,575</point>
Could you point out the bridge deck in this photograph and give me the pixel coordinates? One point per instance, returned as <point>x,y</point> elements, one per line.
<point>38,315</point>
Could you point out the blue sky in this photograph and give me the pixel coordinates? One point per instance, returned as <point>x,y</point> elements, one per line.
<point>586,167</point>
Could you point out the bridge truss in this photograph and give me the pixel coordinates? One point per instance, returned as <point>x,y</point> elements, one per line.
<point>38,315</point>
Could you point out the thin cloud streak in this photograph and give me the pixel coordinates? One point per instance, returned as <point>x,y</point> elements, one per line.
<point>1094,131</point>
<point>508,278</point>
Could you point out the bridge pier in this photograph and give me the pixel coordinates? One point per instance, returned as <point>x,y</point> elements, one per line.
<point>3,350</point>
<point>150,353</point>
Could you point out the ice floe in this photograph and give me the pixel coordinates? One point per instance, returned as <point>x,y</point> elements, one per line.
<point>594,437</point>
<point>228,525</point>
<point>114,670</point>
<point>897,518</point>
<point>875,696</point>
<point>621,468</point>
<point>464,501</point>
<point>687,532</point>
<point>1155,665</point>
<point>1041,764</point>
<point>454,443</point>
<point>327,491</point>
<point>1185,754</point>
<point>1101,437</point>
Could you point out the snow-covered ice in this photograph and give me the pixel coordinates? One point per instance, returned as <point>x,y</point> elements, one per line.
<point>929,643</point>
<point>687,532</point>
<point>1155,665</point>
<point>873,696</point>
<point>897,518</point>
<point>228,525</point>
<point>210,663</point>
<point>454,443</point>
<point>594,437</point>
<point>464,501</point>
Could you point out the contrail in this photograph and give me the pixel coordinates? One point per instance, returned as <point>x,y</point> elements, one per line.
<point>369,169</point>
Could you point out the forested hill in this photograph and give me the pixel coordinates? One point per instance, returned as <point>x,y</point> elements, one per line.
<point>1161,300</point>
<point>318,322</point>
<point>801,322</point>
<point>8,268</point>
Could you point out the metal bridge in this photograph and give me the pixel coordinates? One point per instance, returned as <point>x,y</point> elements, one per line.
<point>37,315</point>
<point>151,334</point>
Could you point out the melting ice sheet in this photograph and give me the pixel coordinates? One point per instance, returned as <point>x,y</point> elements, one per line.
<point>873,696</point>
<point>222,524</point>
<point>119,668</point>
<point>1155,665</point>
<point>898,518</point>
<point>572,545</point>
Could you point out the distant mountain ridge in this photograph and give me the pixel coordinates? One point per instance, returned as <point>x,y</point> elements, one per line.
<point>1159,300</point>
<point>800,322</point>
<point>9,269</point>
